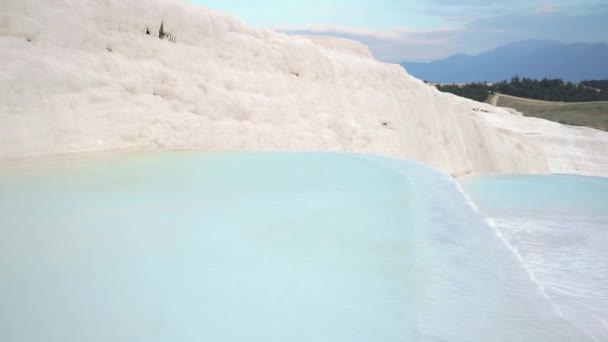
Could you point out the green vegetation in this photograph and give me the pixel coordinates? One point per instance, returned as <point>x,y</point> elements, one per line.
<point>474,91</point>
<point>601,85</point>
<point>591,114</point>
<point>549,90</point>
<point>545,89</point>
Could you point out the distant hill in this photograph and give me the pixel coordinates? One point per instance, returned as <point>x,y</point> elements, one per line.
<point>535,59</point>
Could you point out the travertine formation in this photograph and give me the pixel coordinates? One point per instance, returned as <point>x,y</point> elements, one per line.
<point>90,76</point>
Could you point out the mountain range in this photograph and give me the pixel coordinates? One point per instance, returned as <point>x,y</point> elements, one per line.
<point>535,59</point>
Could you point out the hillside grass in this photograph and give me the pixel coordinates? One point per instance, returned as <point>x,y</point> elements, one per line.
<point>589,114</point>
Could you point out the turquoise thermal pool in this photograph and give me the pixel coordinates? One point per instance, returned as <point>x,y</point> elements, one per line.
<point>188,246</point>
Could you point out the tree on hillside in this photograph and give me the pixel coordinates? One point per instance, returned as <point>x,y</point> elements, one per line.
<point>544,89</point>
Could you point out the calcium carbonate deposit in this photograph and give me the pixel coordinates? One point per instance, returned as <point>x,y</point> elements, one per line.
<point>90,76</point>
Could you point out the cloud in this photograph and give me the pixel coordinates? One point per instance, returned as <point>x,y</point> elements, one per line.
<point>396,34</point>
<point>393,45</point>
<point>413,30</point>
<point>478,33</point>
<point>546,9</point>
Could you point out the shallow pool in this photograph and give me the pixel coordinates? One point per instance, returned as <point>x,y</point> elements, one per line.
<point>558,225</point>
<point>186,246</point>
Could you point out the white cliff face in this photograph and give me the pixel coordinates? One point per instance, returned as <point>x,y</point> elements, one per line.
<point>86,77</point>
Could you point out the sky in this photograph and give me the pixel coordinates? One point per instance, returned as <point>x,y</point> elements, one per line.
<point>408,30</point>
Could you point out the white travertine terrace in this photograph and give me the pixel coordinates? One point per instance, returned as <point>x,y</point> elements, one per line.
<point>84,77</point>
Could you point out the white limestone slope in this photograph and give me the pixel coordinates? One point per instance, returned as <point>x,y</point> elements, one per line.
<point>83,76</point>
